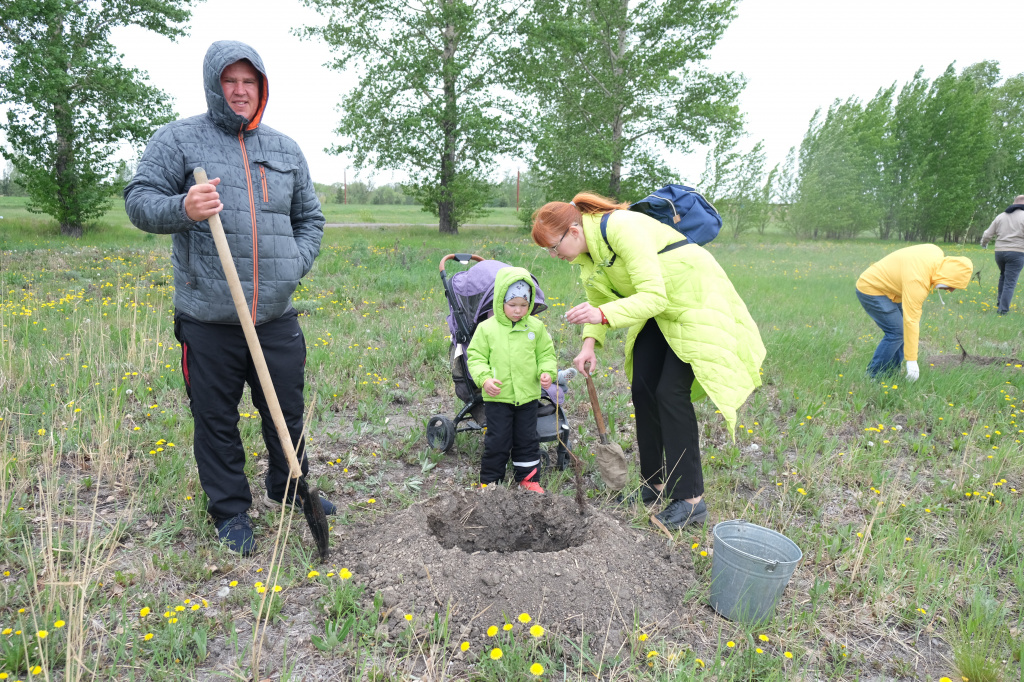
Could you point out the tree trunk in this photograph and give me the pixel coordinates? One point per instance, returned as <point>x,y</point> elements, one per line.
<point>615,178</point>
<point>446,205</point>
<point>63,166</point>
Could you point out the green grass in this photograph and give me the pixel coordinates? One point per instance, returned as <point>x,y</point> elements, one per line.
<point>905,498</point>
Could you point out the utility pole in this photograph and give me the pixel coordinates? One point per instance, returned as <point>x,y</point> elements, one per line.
<point>344,178</point>
<point>517,190</point>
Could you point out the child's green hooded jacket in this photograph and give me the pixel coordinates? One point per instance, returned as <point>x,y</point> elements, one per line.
<point>516,355</point>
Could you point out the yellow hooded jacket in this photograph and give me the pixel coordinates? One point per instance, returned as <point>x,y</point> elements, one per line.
<point>907,276</point>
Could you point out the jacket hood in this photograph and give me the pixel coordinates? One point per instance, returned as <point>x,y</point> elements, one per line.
<point>954,271</point>
<point>502,281</point>
<point>220,55</point>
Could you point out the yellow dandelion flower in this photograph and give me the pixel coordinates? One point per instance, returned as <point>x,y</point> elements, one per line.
<point>703,552</point>
<point>7,631</point>
<point>642,637</point>
<point>148,636</point>
<point>261,589</point>
<point>804,492</point>
<point>464,646</point>
<point>345,574</point>
<point>788,654</point>
<point>144,611</point>
<point>763,638</point>
<point>277,588</point>
<point>195,607</point>
<point>652,654</point>
<point>312,574</point>
<point>492,631</point>
<point>730,644</point>
<point>536,669</point>
<point>506,627</point>
<point>233,583</point>
<point>759,650</point>
<point>536,631</point>
<point>408,616</point>
<point>36,670</point>
<point>524,618</point>
<point>172,620</point>
<point>495,653</point>
<point>179,608</point>
<point>699,662</point>
<point>59,624</point>
<point>42,634</point>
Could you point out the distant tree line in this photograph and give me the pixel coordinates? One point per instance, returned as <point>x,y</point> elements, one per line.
<point>935,161</point>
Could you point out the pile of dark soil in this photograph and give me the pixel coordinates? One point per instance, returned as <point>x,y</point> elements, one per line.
<point>492,555</point>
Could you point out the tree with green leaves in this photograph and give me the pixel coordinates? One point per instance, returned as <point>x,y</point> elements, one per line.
<point>428,100</point>
<point>72,103</point>
<point>616,83</point>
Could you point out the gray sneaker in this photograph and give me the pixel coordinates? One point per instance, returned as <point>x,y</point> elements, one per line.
<point>680,513</point>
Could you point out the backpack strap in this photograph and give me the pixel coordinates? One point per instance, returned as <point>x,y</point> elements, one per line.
<point>604,235</point>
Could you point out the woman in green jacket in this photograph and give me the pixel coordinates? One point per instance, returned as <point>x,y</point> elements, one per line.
<point>690,335</point>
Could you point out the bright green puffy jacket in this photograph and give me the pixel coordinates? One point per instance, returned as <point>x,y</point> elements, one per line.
<point>516,355</point>
<point>689,295</point>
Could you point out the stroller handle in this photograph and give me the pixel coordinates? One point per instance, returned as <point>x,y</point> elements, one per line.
<point>461,257</point>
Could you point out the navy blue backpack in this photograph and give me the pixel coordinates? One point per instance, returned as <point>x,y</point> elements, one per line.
<point>680,207</point>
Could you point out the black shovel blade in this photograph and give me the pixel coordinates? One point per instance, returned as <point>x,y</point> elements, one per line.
<point>315,516</point>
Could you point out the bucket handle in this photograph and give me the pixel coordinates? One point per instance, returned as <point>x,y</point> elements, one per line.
<point>770,564</point>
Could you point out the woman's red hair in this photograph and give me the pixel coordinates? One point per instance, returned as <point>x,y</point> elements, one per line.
<point>551,220</point>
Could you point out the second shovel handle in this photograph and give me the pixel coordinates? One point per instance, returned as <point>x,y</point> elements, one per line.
<point>598,417</point>
<point>253,341</point>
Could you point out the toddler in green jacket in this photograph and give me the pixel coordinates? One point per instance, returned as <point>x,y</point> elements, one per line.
<point>511,358</point>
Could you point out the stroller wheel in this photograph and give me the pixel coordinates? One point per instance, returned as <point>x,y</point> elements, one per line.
<point>440,433</point>
<point>563,457</point>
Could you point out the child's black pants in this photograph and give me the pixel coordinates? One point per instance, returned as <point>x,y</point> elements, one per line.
<point>666,424</point>
<point>511,431</point>
<point>216,364</point>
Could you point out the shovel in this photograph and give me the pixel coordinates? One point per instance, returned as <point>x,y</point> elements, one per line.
<point>611,462</point>
<point>311,507</point>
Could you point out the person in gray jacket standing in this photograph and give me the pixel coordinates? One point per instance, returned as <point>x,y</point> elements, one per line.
<point>262,190</point>
<point>1008,232</point>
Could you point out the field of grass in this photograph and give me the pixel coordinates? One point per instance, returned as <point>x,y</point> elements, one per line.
<point>17,217</point>
<point>905,498</point>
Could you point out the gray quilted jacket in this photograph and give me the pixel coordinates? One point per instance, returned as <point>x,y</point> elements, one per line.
<point>271,215</point>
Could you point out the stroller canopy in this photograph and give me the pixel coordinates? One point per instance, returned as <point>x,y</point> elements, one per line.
<point>474,290</point>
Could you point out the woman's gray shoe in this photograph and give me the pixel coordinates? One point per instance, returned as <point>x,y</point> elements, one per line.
<point>680,513</point>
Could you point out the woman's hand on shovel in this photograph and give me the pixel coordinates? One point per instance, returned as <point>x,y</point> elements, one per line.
<point>587,359</point>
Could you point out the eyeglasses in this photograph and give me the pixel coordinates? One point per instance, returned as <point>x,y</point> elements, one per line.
<point>553,250</point>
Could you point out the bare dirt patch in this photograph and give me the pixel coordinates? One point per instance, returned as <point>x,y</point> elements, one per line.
<point>493,555</point>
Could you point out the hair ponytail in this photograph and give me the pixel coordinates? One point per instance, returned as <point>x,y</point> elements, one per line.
<point>587,202</point>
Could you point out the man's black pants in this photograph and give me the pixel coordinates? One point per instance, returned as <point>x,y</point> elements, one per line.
<point>666,423</point>
<point>511,430</point>
<point>216,364</point>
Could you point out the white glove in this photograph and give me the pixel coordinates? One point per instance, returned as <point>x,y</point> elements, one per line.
<point>913,371</point>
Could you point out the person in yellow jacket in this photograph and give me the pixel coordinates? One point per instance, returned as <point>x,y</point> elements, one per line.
<point>690,335</point>
<point>892,292</point>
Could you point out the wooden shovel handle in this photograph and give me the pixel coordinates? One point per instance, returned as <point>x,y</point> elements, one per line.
<point>598,417</point>
<point>255,349</point>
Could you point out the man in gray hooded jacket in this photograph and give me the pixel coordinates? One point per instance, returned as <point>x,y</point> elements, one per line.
<point>262,190</point>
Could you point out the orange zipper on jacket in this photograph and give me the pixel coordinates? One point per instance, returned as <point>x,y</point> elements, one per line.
<point>263,180</point>
<point>252,214</point>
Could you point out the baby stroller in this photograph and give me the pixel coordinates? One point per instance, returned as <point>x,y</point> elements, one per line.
<point>470,295</point>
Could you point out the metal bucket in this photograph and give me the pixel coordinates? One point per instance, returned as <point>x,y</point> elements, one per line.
<point>750,569</point>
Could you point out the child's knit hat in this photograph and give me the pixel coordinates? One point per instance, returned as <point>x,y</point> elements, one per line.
<point>518,289</point>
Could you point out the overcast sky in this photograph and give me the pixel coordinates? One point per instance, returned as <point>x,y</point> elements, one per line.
<point>797,55</point>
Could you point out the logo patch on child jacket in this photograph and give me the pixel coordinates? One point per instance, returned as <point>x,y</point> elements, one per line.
<point>531,336</point>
